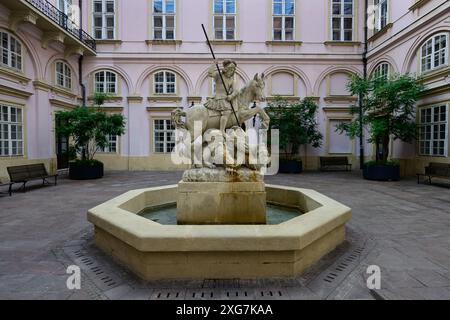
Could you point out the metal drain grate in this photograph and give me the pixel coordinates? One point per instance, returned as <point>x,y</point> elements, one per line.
<point>103,279</point>
<point>221,283</point>
<point>168,295</point>
<point>348,259</point>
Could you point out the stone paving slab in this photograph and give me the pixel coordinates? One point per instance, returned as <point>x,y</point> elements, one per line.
<point>402,227</point>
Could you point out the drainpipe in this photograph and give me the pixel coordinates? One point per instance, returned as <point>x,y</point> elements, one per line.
<point>364,60</point>
<point>80,59</point>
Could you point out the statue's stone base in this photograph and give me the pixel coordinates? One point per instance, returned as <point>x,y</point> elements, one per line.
<point>221,203</point>
<point>242,174</point>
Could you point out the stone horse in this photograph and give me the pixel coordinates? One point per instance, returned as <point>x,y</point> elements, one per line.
<point>253,91</point>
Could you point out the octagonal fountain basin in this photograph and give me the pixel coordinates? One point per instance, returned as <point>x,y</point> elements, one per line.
<point>138,229</point>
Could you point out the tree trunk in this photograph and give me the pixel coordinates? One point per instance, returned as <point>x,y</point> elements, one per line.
<point>377,149</point>
<point>386,141</point>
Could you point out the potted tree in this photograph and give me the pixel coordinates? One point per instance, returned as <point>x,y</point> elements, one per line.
<point>88,128</point>
<point>388,112</point>
<point>298,126</point>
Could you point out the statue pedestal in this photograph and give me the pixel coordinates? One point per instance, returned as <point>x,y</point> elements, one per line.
<point>221,203</point>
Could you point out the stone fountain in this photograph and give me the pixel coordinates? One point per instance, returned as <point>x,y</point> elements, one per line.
<point>220,226</point>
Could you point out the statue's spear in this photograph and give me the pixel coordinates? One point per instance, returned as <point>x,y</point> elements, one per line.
<point>220,73</point>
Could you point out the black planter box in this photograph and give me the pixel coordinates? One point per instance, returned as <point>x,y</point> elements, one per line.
<point>381,172</point>
<point>290,166</point>
<point>85,172</point>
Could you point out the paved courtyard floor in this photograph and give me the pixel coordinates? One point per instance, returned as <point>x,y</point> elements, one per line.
<point>402,227</point>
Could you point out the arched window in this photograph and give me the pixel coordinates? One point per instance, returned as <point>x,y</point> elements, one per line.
<point>381,72</point>
<point>105,82</point>
<point>63,75</point>
<point>11,51</point>
<point>434,52</point>
<point>165,82</point>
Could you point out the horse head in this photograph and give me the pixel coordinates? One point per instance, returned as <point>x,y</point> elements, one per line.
<point>257,85</point>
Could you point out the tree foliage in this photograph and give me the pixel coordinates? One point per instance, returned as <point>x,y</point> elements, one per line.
<point>388,107</point>
<point>89,127</point>
<point>297,123</point>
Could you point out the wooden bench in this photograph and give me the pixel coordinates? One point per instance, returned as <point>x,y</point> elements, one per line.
<point>435,170</point>
<point>9,184</point>
<point>334,162</point>
<point>26,173</point>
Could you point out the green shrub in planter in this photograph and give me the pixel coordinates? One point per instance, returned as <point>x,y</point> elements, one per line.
<point>88,128</point>
<point>388,107</point>
<point>297,123</point>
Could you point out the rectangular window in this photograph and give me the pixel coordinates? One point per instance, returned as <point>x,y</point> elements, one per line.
<point>11,51</point>
<point>104,15</point>
<point>283,20</point>
<point>342,20</point>
<point>164,19</point>
<point>11,131</point>
<point>224,19</point>
<point>381,14</point>
<point>433,139</point>
<point>112,145</point>
<point>164,136</point>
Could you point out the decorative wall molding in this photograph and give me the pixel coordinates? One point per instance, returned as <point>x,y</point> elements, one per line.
<point>15,92</point>
<point>19,77</point>
<point>20,17</point>
<point>48,37</point>
<point>165,99</point>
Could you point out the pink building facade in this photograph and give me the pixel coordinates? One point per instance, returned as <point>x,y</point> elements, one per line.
<point>151,56</point>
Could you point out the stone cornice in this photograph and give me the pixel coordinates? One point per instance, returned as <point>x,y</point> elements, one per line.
<point>108,41</point>
<point>136,99</point>
<point>14,75</point>
<point>62,104</point>
<point>110,109</point>
<point>38,84</point>
<point>380,33</point>
<point>163,42</point>
<point>226,42</point>
<point>342,43</point>
<point>418,4</point>
<point>283,98</point>
<point>15,92</point>
<point>340,99</point>
<point>435,91</point>
<point>436,74</point>
<point>283,43</point>
<point>159,109</point>
<point>164,98</point>
<point>64,91</point>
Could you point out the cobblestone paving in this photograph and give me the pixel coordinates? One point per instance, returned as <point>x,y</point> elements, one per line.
<point>402,227</point>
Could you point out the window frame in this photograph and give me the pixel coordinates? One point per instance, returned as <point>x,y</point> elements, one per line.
<point>224,16</point>
<point>433,52</point>
<point>104,15</point>
<point>165,82</point>
<point>67,79</point>
<point>9,123</point>
<point>107,149</point>
<point>432,124</point>
<point>18,55</point>
<point>380,65</point>
<point>165,132</point>
<point>378,17</point>
<point>105,82</point>
<point>283,17</point>
<point>342,16</point>
<point>164,16</point>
